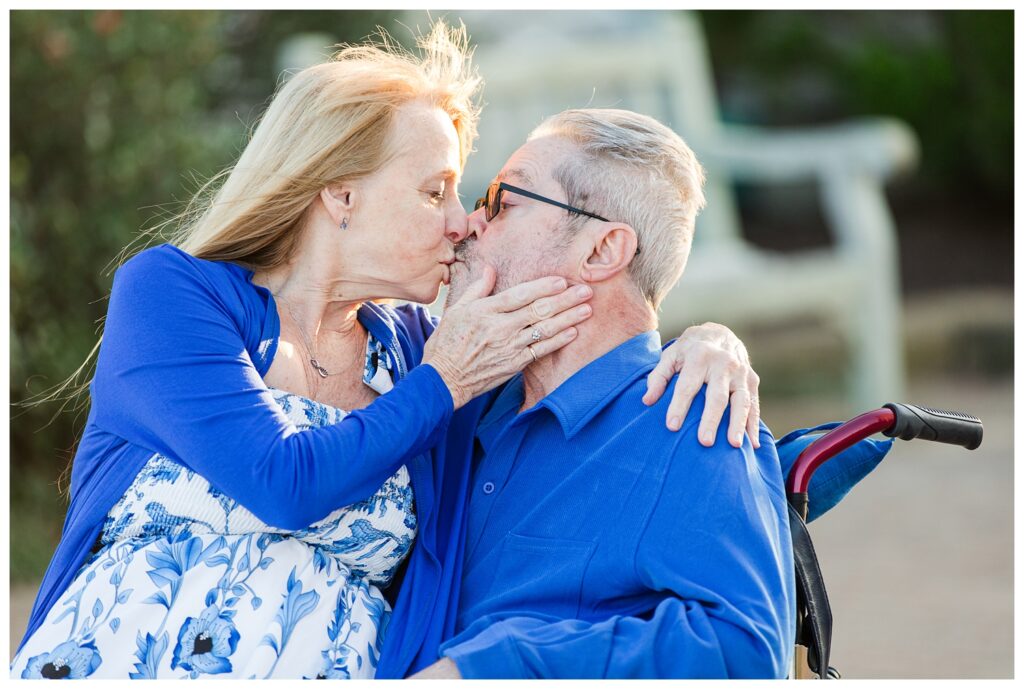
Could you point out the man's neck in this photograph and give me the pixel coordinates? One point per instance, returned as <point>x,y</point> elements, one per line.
<point>615,321</point>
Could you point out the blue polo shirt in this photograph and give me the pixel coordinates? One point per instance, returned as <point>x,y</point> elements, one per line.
<point>601,544</point>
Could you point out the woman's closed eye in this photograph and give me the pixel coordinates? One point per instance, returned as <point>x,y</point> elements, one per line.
<point>436,190</point>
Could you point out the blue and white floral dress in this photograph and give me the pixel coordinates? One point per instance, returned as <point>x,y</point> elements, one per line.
<point>188,583</point>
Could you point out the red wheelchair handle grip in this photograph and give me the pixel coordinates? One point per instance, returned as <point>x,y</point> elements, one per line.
<point>832,443</point>
<point>905,421</point>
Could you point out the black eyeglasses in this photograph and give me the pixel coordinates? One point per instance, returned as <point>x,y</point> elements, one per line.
<point>492,201</point>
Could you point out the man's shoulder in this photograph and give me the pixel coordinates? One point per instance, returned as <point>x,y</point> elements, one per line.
<point>646,426</point>
<point>628,405</point>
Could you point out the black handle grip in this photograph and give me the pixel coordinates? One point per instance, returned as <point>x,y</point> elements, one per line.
<point>952,427</point>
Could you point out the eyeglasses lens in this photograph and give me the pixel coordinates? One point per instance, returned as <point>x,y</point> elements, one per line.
<point>493,201</point>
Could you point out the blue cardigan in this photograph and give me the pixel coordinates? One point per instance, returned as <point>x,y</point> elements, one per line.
<point>185,347</point>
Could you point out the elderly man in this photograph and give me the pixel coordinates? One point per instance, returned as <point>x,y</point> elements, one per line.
<point>600,543</point>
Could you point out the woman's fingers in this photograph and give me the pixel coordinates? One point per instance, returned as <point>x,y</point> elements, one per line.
<point>548,328</point>
<point>693,371</point>
<point>712,355</point>
<point>542,348</point>
<point>549,306</point>
<point>546,307</point>
<point>721,392</point>
<point>754,417</point>
<point>523,295</point>
<point>729,384</point>
<point>658,379</point>
<point>739,409</point>
<point>716,398</point>
<point>687,385</point>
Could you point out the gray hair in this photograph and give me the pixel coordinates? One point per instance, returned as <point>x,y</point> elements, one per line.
<point>633,169</point>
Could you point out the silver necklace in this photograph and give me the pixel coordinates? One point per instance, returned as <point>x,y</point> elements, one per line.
<point>323,372</point>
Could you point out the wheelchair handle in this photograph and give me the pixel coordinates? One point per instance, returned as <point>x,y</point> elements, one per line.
<point>905,421</point>
<point>952,427</point>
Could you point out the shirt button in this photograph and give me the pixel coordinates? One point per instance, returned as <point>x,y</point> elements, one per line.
<point>488,488</point>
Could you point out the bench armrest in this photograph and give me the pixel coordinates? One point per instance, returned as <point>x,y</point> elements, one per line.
<point>878,147</point>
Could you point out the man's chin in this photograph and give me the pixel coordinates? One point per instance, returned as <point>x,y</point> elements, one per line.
<point>461,278</point>
<point>454,293</point>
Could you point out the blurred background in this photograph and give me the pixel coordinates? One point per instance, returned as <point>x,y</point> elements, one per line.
<point>858,237</point>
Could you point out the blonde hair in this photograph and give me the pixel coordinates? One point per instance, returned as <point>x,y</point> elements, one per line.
<point>633,169</point>
<point>327,123</point>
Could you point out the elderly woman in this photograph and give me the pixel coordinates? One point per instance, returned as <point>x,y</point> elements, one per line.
<point>264,444</point>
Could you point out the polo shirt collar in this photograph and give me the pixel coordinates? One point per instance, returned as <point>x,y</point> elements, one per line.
<point>576,401</point>
<point>579,399</point>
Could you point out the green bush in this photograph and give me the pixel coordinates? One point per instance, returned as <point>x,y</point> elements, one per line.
<point>949,74</point>
<point>115,117</point>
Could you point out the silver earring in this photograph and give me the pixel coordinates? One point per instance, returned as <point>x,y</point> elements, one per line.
<point>344,223</point>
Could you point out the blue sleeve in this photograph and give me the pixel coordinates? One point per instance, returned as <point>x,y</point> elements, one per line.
<point>716,549</point>
<point>836,477</point>
<point>174,376</point>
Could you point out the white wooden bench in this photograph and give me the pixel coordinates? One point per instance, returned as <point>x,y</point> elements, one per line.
<point>536,64</point>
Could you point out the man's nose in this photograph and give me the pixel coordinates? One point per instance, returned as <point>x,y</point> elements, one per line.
<point>455,228</point>
<point>477,222</point>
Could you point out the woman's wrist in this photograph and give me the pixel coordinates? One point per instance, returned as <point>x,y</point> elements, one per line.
<point>448,375</point>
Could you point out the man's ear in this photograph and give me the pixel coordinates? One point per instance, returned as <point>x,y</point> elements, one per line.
<point>339,201</point>
<point>610,251</point>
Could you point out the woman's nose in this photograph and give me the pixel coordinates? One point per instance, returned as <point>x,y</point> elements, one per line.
<point>455,228</point>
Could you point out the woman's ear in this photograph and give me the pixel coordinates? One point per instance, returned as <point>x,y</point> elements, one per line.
<point>338,200</point>
<point>609,252</point>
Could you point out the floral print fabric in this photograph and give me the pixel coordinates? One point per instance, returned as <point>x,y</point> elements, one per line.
<point>187,583</point>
